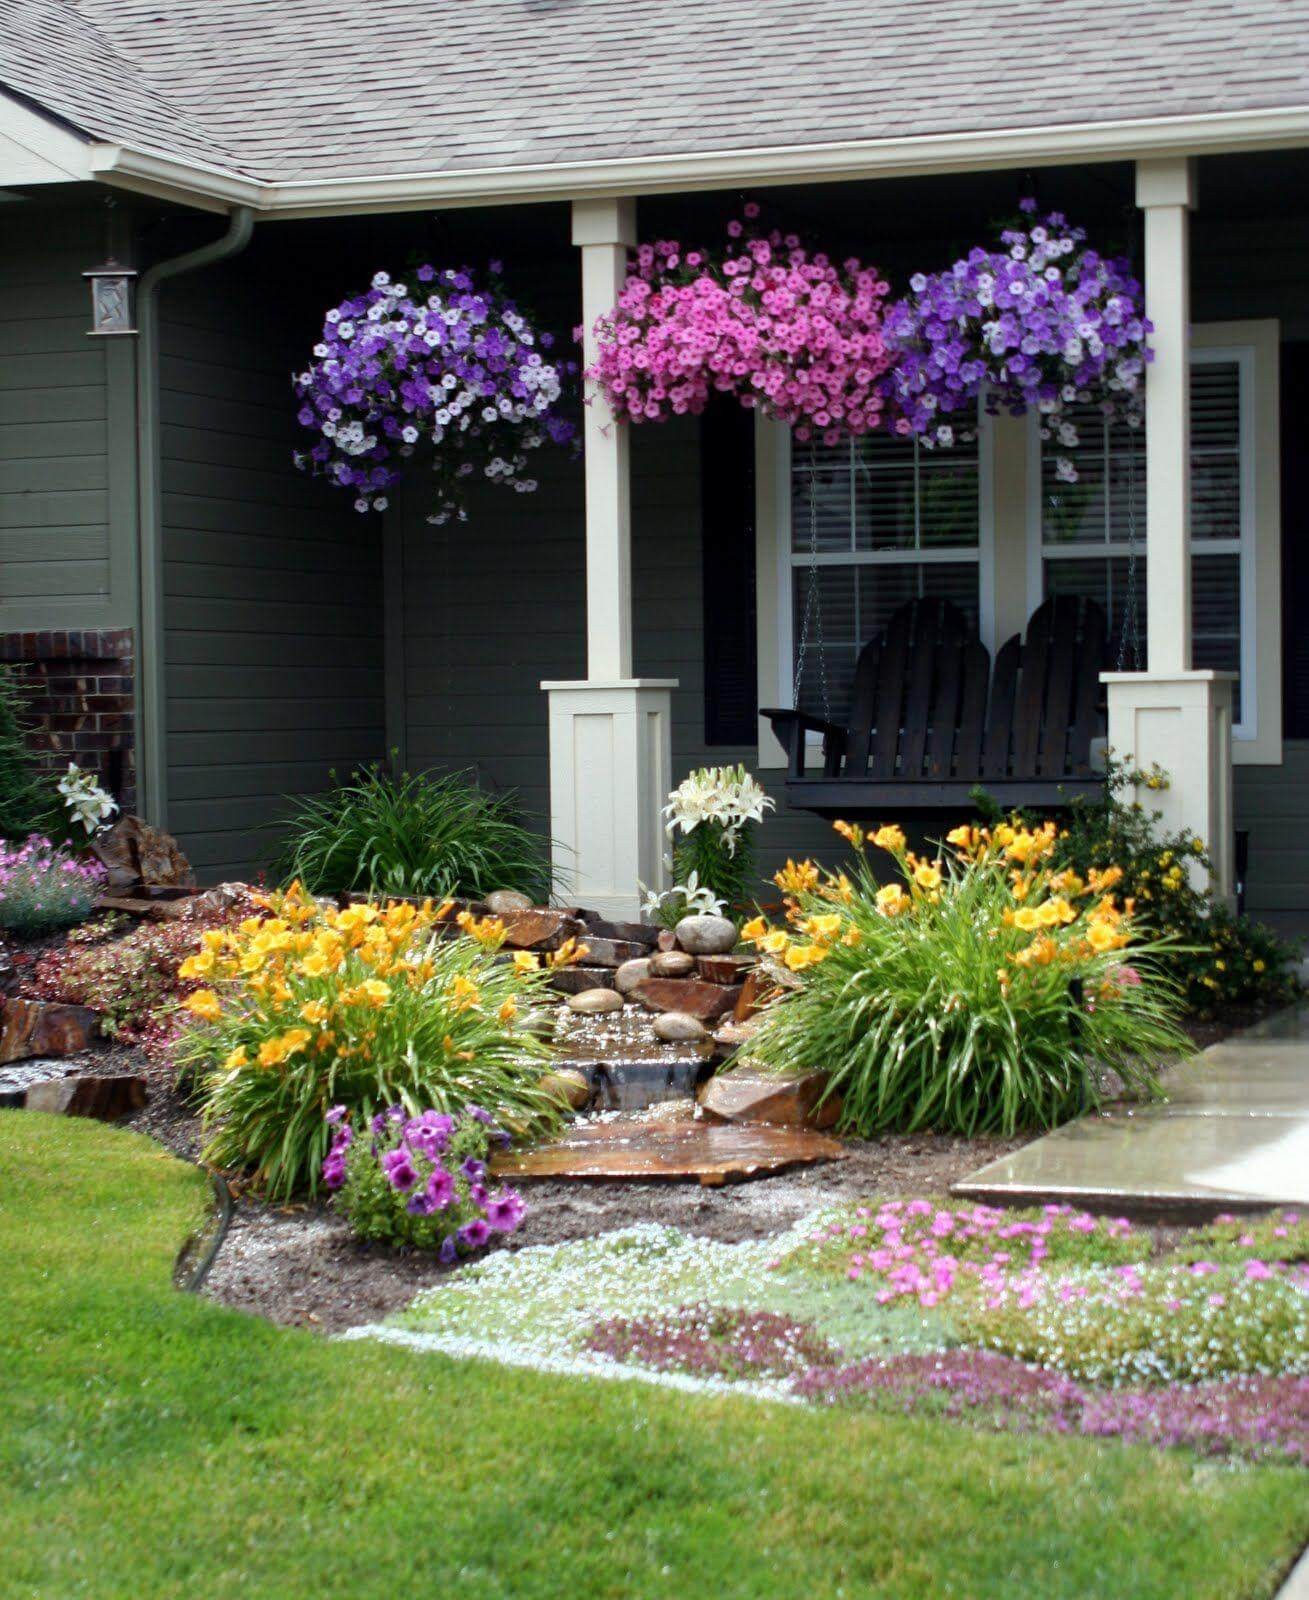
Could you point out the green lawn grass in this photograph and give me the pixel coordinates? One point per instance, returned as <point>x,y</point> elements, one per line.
<point>154,1444</point>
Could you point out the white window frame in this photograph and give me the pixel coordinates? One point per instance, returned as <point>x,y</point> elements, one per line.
<point>776,562</point>
<point>1252,347</point>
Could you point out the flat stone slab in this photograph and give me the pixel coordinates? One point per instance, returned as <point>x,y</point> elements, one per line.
<point>49,1086</point>
<point>674,1147</point>
<point>1233,1134</point>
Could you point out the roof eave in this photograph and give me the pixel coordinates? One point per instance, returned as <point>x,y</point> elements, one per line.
<point>1127,139</point>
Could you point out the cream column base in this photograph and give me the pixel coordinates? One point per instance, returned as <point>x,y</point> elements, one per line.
<point>1183,722</point>
<point>611,760</point>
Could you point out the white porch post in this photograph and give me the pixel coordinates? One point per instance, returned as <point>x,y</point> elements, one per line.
<point>610,734</point>
<point>1171,714</point>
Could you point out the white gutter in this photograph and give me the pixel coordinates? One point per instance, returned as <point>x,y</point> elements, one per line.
<point>152,770</point>
<point>1123,140</point>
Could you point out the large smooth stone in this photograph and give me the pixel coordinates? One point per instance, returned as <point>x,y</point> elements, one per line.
<point>676,1027</point>
<point>595,1002</point>
<point>672,964</point>
<point>631,973</point>
<point>569,1086</point>
<point>706,936</point>
<point>501,900</point>
<point>42,1028</point>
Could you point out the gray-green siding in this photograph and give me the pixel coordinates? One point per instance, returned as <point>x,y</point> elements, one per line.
<point>54,471</point>
<point>273,588</point>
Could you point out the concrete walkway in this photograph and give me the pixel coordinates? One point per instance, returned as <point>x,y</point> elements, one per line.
<point>1233,1134</point>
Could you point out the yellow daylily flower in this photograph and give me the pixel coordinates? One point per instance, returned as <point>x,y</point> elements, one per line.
<point>891,838</point>
<point>204,1003</point>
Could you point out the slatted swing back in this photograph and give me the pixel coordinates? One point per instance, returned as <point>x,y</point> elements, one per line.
<point>1045,694</point>
<point>919,698</point>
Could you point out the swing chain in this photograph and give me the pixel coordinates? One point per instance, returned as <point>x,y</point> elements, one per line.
<point>813,605</point>
<point>1129,641</point>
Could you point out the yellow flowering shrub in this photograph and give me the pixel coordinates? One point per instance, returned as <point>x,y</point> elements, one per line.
<point>984,989</point>
<point>304,1007</point>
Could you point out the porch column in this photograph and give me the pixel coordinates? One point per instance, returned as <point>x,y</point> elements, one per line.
<point>611,733</point>
<point>1172,714</point>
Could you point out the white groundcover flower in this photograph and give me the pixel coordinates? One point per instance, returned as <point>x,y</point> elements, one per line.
<point>84,800</point>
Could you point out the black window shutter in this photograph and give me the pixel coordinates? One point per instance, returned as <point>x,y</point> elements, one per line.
<point>728,554</point>
<point>1294,365</point>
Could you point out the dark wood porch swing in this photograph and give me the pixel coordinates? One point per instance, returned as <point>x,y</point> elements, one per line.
<point>929,721</point>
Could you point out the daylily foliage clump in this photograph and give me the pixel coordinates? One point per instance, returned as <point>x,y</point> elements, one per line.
<point>307,1007</point>
<point>984,990</point>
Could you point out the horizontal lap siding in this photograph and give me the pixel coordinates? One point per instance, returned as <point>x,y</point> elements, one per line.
<point>273,610</point>
<point>54,504</point>
<point>492,607</point>
<point>495,605</point>
<point>1273,804</point>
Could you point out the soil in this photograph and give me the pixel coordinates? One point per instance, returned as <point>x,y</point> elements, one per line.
<point>300,1265</point>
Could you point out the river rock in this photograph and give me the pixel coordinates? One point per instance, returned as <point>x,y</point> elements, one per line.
<point>677,1027</point>
<point>672,964</point>
<point>595,1002</point>
<point>41,1028</point>
<point>631,973</point>
<point>501,900</point>
<point>706,936</point>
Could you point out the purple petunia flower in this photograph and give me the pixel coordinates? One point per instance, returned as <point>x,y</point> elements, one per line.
<point>334,1171</point>
<point>448,1254</point>
<point>473,1235</point>
<point>440,1188</point>
<point>473,1169</point>
<point>504,1211</point>
<point>399,1168</point>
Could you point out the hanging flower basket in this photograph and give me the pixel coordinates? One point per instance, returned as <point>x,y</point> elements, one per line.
<point>763,319</point>
<point>1043,324</point>
<point>445,363</point>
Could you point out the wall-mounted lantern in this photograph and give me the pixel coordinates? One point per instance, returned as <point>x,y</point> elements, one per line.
<point>111,298</point>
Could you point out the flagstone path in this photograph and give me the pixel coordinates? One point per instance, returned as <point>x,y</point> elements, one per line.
<point>1233,1134</point>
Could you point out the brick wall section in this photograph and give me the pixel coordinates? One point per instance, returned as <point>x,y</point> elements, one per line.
<point>80,687</point>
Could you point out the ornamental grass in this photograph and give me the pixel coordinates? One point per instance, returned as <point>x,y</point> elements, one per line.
<point>308,1008</point>
<point>416,835</point>
<point>982,991</point>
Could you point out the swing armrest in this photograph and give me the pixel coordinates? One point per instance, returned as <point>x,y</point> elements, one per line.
<point>792,728</point>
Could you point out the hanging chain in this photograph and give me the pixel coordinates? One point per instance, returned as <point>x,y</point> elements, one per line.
<point>813,603</point>
<point>1129,642</point>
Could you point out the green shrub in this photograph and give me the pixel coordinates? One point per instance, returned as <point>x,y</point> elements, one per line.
<point>366,1008</point>
<point>979,994</point>
<point>412,835</point>
<point>1215,957</point>
<point>24,807</point>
